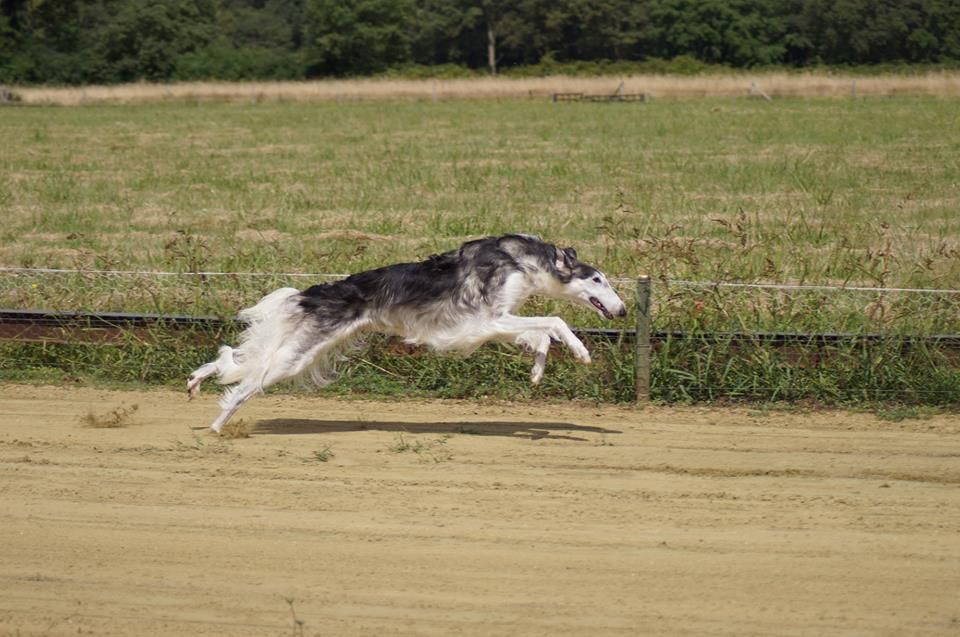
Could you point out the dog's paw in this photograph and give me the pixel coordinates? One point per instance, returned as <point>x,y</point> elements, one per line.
<point>193,388</point>
<point>536,374</point>
<point>581,353</point>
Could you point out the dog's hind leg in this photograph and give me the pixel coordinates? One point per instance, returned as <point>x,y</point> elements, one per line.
<point>232,400</point>
<point>198,376</point>
<point>280,367</point>
<point>224,366</point>
<point>290,361</point>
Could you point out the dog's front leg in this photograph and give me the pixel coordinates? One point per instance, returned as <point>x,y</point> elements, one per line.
<point>552,326</point>
<point>539,344</point>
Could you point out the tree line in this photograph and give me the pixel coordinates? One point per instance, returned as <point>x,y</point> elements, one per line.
<point>110,41</point>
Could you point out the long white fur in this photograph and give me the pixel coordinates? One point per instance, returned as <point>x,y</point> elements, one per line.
<point>277,345</point>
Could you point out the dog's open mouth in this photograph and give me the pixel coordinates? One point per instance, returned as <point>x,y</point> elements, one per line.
<point>600,306</point>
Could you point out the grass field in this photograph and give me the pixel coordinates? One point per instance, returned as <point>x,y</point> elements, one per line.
<point>813,191</point>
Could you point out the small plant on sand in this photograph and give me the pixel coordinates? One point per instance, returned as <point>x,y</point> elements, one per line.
<point>121,416</point>
<point>323,455</point>
<point>297,622</point>
<point>426,450</point>
<point>238,429</point>
<point>201,445</point>
<point>899,413</point>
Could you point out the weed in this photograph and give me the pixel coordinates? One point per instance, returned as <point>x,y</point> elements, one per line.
<point>236,429</point>
<point>298,624</point>
<point>323,455</point>
<point>8,96</point>
<point>116,418</point>
<point>427,450</point>
<point>899,413</point>
<point>201,445</point>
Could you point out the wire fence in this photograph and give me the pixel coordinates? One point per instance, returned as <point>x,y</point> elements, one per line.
<point>334,276</point>
<point>710,340</point>
<point>679,305</point>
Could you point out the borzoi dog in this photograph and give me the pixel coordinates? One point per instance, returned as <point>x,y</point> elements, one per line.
<point>455,301</point>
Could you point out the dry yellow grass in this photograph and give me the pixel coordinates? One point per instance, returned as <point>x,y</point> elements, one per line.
<point>945,84</point>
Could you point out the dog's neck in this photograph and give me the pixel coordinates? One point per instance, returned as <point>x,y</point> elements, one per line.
<point>535,281</point>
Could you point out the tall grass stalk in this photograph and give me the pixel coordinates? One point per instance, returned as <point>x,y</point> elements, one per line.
<point>725,84</point>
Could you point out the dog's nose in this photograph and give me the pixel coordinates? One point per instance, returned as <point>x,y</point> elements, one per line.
<point>623,311</point>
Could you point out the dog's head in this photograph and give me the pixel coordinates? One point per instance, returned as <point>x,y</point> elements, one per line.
<point>586,285</point>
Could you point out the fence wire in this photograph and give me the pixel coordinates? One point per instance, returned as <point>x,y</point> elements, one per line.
<point>678,304</point>
<point>853,343</point>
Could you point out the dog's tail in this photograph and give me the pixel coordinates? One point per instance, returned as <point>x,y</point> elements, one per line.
<point>269,323</point>
<point>267,308</point>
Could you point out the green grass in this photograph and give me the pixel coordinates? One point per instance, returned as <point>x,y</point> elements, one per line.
<point>855,192</point>
<point>805,187</point>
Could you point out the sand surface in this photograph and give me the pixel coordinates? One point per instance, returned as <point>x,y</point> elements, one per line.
<point>341,517</point>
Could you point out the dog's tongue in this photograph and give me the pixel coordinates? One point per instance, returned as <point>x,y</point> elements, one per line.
<point>597,304</point>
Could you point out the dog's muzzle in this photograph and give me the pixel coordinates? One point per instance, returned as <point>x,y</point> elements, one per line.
<point>607,314</point>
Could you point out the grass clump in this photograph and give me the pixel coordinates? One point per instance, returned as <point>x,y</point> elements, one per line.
<point>323,455</point>
<point>236,429</point>
<point>116,418</point>
<point>900,413</point>
<point>201,446</point>
<point>427,450</point>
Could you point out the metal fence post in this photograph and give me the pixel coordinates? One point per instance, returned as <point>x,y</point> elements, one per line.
<point>641,358</point>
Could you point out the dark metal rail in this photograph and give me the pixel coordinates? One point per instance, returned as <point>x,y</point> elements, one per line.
<point>105,319</point>
<point>50,326</point>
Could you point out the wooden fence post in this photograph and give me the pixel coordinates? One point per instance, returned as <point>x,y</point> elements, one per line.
<point>641,358</point>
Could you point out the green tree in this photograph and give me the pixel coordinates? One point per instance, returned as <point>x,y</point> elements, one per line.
<point>264,24</point>
<point>596,29</point>
<point>448,32</point>
<point>254,40</point>
<point>507,32</point>
<point>873,31</point>
<point>8,46</point>
<point>356,37</point>
<point>144,39</point>
<point>45,38</point>
<point>736,32</point>
<point>77,41</point>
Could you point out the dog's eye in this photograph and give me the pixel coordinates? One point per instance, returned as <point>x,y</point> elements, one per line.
<point>596,279</point>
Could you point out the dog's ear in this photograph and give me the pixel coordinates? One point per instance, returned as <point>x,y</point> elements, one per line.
<point>566,259</point>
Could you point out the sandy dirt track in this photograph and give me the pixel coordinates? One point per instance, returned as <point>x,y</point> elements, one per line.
<point>464,519</point>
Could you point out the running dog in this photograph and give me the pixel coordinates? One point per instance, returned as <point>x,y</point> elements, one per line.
<point>455,301</point>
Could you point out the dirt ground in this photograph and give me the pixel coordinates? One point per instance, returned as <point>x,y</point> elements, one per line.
<point>341,517</point>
